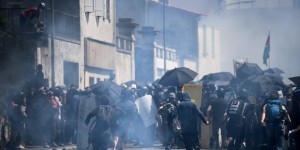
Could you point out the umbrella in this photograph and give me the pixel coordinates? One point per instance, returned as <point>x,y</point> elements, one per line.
<point>274,71</point>
<point>296,80</point>
<point>264,83</point>
<point>219,78</point>
<point>247,70</point>
<point>107,88</point>
<point>177,77</point>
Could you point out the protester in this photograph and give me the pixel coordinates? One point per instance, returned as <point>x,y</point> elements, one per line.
<point>294,133</point>
<point>235,124</point>
<point>164,115</point>
<point>100,136</point>
<point>31,13</point>
<point>188,116</point>
<point>273,117</point>
<point>17,119</point>
<point>129,113</point>
<point>216,111</point>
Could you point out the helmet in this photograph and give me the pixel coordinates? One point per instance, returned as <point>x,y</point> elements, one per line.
<point>42,5</point>
<point>150,86</point>
<point>172,95</point>
<point>143,88</point>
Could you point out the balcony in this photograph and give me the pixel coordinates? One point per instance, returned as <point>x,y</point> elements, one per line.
<point>65,25</point>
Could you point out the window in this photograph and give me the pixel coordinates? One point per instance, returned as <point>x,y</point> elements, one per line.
<point>91,81</point>
<point>98,80</point>
<point>128,45</point>
<point>204,41</point>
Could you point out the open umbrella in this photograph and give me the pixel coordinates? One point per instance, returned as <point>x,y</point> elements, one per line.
<point>263,83</point>
<point>177,77</point>
<point>296,80</point>
<point>219,78</point>
<point>107,88</point>
<point>247,70</point>
<point>274,71</point>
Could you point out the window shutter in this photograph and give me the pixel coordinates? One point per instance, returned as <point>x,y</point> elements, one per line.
<point>110,12</point>
<point>88,6</point>
<point>105,9</point>
<point>99,8</point>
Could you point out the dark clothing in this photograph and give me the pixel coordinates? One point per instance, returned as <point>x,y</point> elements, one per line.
<point>275,134</point>
<point>218,107</point>
<point>235,124</point>
<point>168,134</point>
<point>191,141</point>
<point>188,115</point>
<point>100,136</point>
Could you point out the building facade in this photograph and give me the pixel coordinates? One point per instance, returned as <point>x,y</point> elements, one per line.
<point>180,40</point>
<point>79,45</point>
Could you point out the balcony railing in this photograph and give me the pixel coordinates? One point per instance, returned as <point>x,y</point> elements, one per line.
<point>123,43</point>
<point>65,25</point>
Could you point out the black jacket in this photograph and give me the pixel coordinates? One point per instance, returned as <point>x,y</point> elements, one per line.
<point>188,115</point>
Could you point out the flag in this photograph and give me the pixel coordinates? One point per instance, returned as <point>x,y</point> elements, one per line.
<point>266,55</point>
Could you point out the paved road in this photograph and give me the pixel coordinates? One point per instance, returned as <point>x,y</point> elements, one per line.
<point>128,147</point>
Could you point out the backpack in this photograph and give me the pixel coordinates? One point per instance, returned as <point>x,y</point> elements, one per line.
<point>101,126</point>
<point>236,108</point>
<point>274,111</point>
<point>104,115</point>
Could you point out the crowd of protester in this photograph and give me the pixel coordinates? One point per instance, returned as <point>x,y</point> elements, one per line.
<point>48,117</point>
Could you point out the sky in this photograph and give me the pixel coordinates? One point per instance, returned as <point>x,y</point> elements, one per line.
<point>243,34</point>
<point>199,6</point>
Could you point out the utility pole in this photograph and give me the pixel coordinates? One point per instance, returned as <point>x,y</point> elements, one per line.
<point>52,47</point>
<point>164,35</point>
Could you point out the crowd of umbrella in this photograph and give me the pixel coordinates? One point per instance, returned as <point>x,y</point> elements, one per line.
<point>248,76</point>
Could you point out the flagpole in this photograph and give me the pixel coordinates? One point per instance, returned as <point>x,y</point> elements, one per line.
<point>270,49</point>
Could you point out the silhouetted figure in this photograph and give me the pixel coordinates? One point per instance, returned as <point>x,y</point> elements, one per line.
<point>31,13</point>
<point>100,135</point>
<point>188,116</point>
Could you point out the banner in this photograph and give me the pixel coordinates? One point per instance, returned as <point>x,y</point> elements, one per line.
<point>195,92</point>
<point>146,109</point>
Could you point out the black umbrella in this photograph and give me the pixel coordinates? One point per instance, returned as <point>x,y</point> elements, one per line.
<point>177,77</point>
<point>107,88</point>
<point>219,78</point>
<point>296,80</point>
<point>247,70</point>
<point>274,71</point>
<point>263,83</point>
